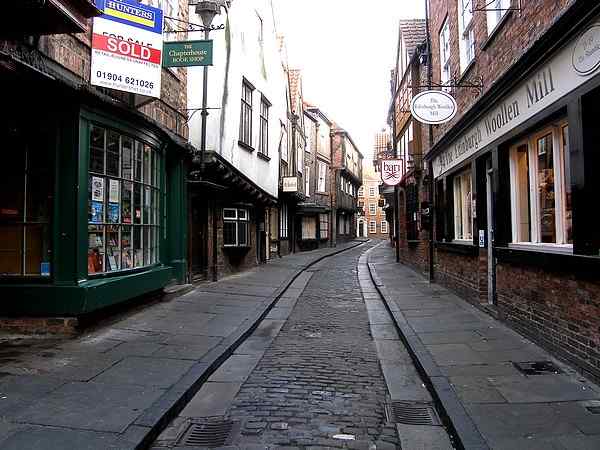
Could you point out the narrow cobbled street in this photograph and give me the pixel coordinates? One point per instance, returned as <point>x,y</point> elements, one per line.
<point>321,375</point>
<point>309,376</point>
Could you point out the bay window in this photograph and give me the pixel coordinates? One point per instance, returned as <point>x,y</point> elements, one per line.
<point>541,189</point>
<point>463,218</point>
<point>236,227</point>
<point>123,202</point>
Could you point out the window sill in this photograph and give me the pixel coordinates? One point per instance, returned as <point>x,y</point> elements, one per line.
<point>458,247</point>
<point>564,249</point>
<point>465,72</point>
<point>245,146</point>
<point>263,157</point>
<point>495,31</point>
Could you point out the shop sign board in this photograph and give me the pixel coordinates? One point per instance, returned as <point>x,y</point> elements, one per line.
<point>433,107</point>
<point>571,67</point>
<point>290,184</point>
<point>127,47</point>
<point>391,171</point>
<point>188,54</point>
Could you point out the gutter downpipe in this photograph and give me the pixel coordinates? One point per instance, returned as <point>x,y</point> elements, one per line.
<point>430,164</point>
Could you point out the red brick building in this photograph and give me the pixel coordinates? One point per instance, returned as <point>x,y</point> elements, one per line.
<point>513,171</point>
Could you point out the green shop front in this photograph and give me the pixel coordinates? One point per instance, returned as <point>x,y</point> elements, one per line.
<point>92,200</point>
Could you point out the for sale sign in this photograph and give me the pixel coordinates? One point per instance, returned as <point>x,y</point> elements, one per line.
<point>391,171</point>
<point>127,47</point>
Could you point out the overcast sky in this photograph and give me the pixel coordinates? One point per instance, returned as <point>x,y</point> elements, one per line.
<point>346,49</point>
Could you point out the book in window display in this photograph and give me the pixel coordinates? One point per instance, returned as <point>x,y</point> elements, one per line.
<point>113,252</point>
<point>96,212</point>
<point>95,253</point>
<point>126,248</point>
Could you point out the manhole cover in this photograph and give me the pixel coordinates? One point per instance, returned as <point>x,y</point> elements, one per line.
<point>411,413</point>
<point>207,434</point>
<point>537,367</point>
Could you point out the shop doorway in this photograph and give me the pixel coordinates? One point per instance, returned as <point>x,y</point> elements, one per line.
<point>491,263</point>
<point>199,239</point>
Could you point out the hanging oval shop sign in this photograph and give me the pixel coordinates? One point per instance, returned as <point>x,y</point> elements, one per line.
<point>586,54</point>
<point>433,107</point>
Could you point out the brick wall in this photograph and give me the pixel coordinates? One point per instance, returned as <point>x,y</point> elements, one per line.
<point>74,53</point>
<point>518,33</point>
<point>555,309</point>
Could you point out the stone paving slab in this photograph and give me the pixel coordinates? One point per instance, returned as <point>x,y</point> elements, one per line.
<point>120,384</point>
<point>468,357</point>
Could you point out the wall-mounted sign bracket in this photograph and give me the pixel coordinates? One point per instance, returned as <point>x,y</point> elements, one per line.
<point>188,27</point>
<point>488,6</point>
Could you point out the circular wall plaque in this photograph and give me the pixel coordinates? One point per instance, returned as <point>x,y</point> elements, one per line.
<point>586,54</point>
<point>433,107</point>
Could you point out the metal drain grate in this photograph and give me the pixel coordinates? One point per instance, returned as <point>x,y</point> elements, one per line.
<point>412,413</point>
<point>593,409</point>
<point>537,367</point>
<point>207,434</point>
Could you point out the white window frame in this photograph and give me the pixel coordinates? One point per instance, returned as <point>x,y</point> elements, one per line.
<point>466,36</point>
<point>307,182</point>
<point>463,204</point>
<point>384,227</point>
<point>445,54</point>
<point>560,192</point>
<point>322,183</point>
<point>372,209</point>
<point>283,221</point>
<point>496,11</point>
<point>361,191</point>
<point>372,227</point>
<point>239,215</point>
<point>324,230</point>
<point>371,191</point>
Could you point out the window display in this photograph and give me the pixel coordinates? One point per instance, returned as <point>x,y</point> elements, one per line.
<point>123,213</point>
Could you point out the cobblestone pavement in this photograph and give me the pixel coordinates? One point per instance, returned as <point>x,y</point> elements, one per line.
<point>321,376</point>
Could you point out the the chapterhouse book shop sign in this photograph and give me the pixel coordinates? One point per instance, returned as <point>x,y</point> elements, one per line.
<point>188,53</point>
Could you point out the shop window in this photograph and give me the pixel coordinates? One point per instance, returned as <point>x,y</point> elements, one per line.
<point>384,227</point>
<point>263,142</point>
<point>246,114</point>
<point>309,227</point>
<point>321,187</point>
<point>283,221</point>
<point>373,227</point>
<point>541,189</point>
<point>496,10</point>
<point>463,219</point>
<point>123,203</point>
<point>465,33</point>
<point>445,54</point>
<point>26,198</point>
<point>236,227</point>
<point>324,226</point>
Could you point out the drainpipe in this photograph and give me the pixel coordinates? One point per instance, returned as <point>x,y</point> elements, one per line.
<point>430,164</point>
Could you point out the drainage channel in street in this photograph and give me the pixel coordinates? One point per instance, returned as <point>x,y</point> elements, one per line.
<point>204,422</point>
<point>411,405</point>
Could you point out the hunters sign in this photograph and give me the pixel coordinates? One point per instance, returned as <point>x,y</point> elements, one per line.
<point>391,171</point>
<point>188,54</point>
<point>127,47</point>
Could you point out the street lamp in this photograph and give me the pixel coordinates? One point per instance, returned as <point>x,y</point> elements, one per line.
<point>207,10</point>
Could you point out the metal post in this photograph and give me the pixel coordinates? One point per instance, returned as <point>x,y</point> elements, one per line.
<point>432,205</point>
<point>204,111</point>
